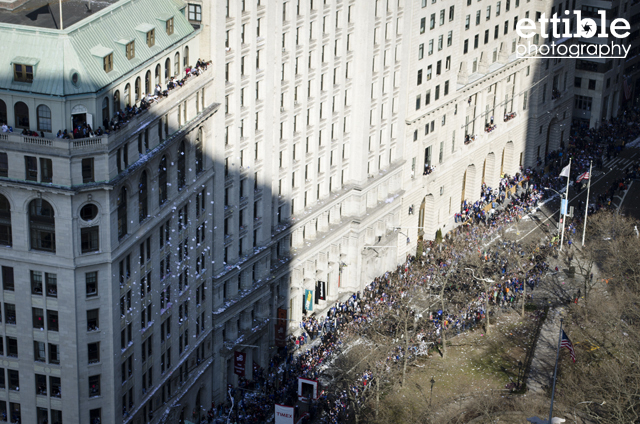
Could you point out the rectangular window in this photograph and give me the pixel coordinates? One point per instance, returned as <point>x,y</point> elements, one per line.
<point>423,25</point>
<point>37,316</point>
<point>36,282</point>
<point>93,350</point>
<point>94,385</point>
<point>466,46</point>
<point>55,385</point>
<point>46,170</point>
<point>107,62</point>
<point>437,96</point>
<point>10,313</point>
<point>87,170</point>
<point>52,320</point>
<point>51,281</point>
<point>421,51</point>
<point>39,351</point>
<point>22,73</point>
<point>4,165</point>
<point>14,380</point>
<point>169,26</point>
<point>7,278</point>
<point>31,168</point>
<point>151,38</point>
<point>91,283</point>
<point>54,354</point>
<point>195,12</point>
<point>12,347</point>
<point>93,316</point>
<point>131,50</point>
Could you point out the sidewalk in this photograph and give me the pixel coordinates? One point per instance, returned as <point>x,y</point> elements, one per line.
<point>544,357</point>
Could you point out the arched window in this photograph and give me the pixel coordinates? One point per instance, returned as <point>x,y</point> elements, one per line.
<point>5,221</point>
<point>167,70</point>
<point>122,213</point>
<point>105,111</point>
<point>158,72</point>
<point>186,57</point>
<point>44,118</point>
<point>137,90</point>
<point>21,112</point>
<point>176,65</point>
<point>3,112</point>
<point>127,95</point>
<point>199,152</point>
<point>116,101</point>
<point>142,197</point>
<point>42,226</point>
<point>182,177</point>
<point>147,82</point>
<point>162,181</point>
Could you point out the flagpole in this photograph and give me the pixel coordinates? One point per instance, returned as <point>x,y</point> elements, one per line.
<point>586,209</point>
<point>566,196</point>
<point>555,372</point>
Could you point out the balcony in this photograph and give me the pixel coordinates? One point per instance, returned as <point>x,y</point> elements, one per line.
<point>428,169</point>
<point>509,116</point>
<point>469,138</point>
<point>489,128</point>
<point>124,128</point>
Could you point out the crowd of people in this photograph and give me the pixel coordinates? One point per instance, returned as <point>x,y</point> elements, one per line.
<point>311,352</point>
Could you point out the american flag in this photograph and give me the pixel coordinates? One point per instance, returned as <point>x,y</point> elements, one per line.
<point>584,176</point>
<point>565,342</point>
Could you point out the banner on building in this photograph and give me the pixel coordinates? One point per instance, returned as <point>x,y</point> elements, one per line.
<point>238,363</point>
<point>308,300</point>
<point>307,389</point>
<point>321,291</point>
<point>284,414</point>
<point>281,328</point>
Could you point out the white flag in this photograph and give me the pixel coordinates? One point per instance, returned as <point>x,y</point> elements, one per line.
<point>565,171</point>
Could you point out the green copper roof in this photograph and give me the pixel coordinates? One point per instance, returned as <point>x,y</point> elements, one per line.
<point>56,55</point>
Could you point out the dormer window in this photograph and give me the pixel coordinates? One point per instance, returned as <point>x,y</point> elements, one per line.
<point>108,62</point>
<point>169,26</point>
<point>131,50</point>
<point>151,38</point>
<point>22,73</point>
